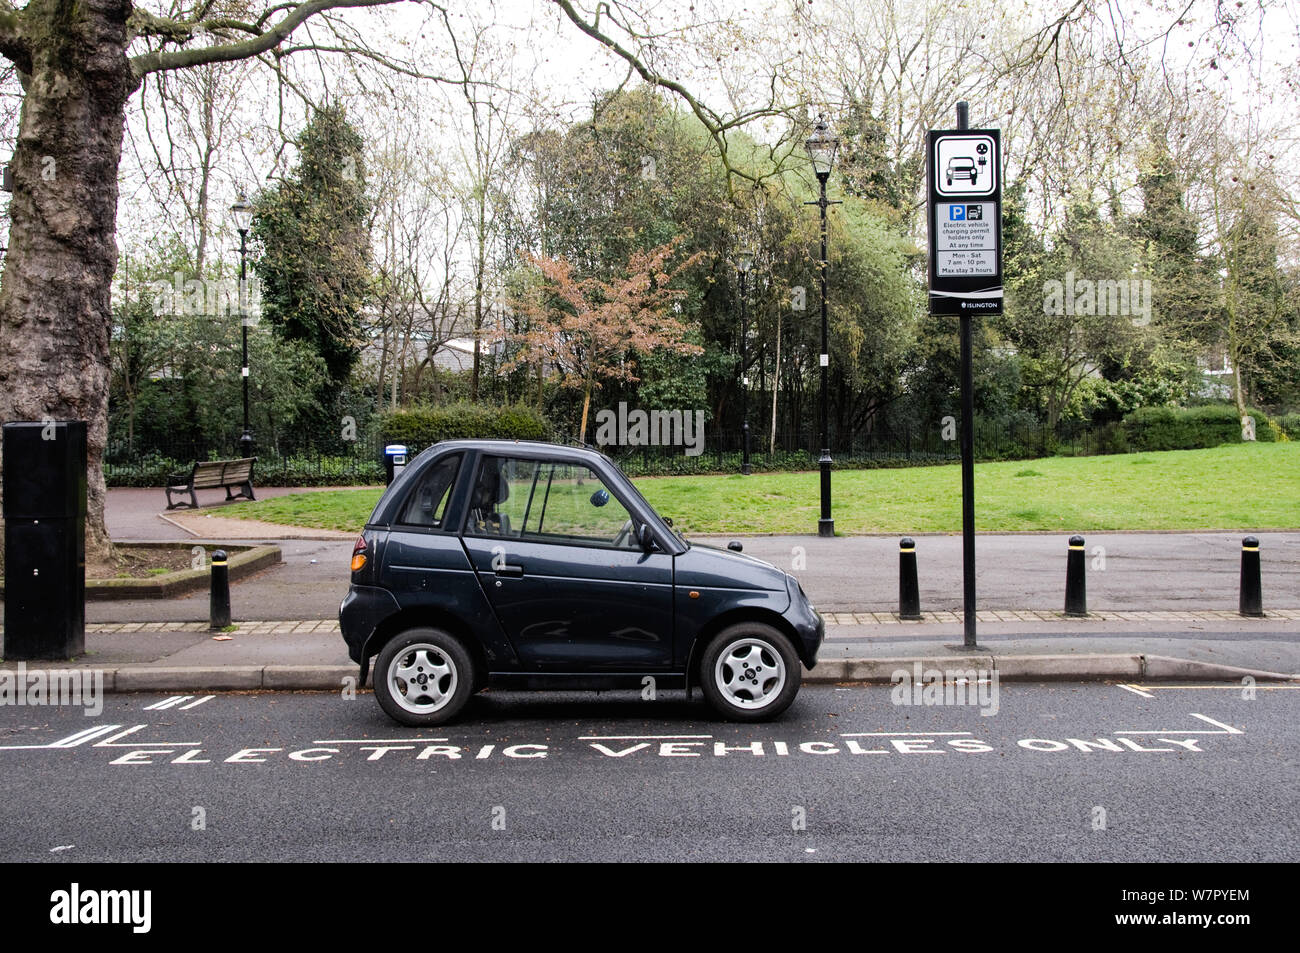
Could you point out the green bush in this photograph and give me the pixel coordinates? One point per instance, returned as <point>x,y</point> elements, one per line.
<point>1189,428</point>
<point>421,427</point>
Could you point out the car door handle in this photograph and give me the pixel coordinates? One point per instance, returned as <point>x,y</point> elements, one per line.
<point>515,572</point>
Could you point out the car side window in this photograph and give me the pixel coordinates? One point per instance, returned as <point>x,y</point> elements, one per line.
<point>427,504</point>
<point>548,501</point>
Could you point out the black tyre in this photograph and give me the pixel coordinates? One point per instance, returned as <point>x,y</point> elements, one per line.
<point>424,677</point>
<point>750,672</point>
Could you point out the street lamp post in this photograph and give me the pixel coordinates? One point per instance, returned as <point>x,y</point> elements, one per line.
<point>744,262</point>
<point>243,215</point>
<point>822,147</point>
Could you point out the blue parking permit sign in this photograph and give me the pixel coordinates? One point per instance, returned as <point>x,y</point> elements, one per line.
<point>956,213</point>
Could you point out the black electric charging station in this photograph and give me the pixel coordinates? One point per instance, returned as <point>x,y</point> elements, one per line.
<point>45,539</point>
<point>394,461</point>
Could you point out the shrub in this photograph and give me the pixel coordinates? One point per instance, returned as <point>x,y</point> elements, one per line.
<point>1189,428</point>
<point>421,427</point>
<point>301,470</point>
<point>1290,424</point>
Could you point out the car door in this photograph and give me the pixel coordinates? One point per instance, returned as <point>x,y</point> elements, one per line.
<point>556,553</point>
<point>424,563</point>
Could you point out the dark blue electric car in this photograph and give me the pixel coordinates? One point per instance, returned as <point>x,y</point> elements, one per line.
<point>536,566</point>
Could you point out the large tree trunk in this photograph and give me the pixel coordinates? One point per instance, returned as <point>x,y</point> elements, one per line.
<point>54,298</point>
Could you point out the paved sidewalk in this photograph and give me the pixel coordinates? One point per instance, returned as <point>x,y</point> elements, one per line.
<point>291,626</point>
<point>1162,606</point>
<point>310,654</point>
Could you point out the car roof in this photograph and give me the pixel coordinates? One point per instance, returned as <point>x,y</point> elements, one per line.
<point>528,448</point>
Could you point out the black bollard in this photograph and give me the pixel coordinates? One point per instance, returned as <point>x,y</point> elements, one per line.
<point>1252,597</point>
<point>1076,586</point>
<point>909,593</point>
<point>219,605</point>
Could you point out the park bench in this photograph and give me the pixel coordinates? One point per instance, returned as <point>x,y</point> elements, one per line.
<point>210,474</point>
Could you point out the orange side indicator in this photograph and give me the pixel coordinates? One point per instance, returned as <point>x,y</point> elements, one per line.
<point>358,561</point>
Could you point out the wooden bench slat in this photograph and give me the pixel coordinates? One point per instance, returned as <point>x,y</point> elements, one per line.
<point>213,474</point>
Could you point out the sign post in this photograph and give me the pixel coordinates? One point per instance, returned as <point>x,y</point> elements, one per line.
<point>964,175</point>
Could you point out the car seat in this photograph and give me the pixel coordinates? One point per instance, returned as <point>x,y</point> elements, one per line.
<point>492,488</point>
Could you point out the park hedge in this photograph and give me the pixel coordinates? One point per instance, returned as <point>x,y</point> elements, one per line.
<point>1190,428</point>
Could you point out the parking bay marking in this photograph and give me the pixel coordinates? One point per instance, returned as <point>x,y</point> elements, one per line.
<point>86,735</point>
<point>1136,691</point>
<point>1225,729</point>
<point>72,741</point>
<point>175,701</point>
<point>1230,687</point>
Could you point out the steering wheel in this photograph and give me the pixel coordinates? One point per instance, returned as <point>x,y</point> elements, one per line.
<point>623,534</point>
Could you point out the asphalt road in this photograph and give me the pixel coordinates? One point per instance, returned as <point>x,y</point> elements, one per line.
<point>1062,772</point>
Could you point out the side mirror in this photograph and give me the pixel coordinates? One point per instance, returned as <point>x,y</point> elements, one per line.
<point>645,537</point>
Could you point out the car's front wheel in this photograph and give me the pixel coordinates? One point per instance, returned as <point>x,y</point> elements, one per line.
<point>750,672</point>
<point>424,677</point>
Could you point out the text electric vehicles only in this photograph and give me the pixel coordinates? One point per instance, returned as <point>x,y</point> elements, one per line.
<point>535,566</point>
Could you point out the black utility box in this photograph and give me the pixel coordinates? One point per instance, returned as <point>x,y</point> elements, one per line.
<point>45,539</point>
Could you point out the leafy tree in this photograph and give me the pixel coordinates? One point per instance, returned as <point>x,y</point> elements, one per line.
<point>315,245</point>
<point>589,330</point>
<point>1081,323</point>
<point>176,357</point>
<point>1166,234</point>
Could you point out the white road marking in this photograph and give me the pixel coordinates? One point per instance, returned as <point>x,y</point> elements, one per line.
<point>1136,691</point>
<point>899,734</point>
<point>1230,687</point>
<point>167,702</point>
<point>376,741</point>
<point>639,737</point>
<point>205,698</point>
<point>59,850</point>
<point>77,738</point>
<point>81,737</point>
<point>112,742</point>
<point>1225,729</point>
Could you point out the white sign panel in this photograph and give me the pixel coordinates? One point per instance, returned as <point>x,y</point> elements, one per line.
<point>965,165</point>
<point>965,240</point>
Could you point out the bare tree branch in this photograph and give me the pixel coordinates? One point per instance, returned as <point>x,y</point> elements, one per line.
<point>714,124</point>
<point>145,63</point>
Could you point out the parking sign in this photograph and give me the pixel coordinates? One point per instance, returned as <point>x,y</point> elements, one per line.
<point>965,221</point>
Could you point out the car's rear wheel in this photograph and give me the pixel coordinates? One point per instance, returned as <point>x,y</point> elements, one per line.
<point>750,672</point>
<point>424,677</point>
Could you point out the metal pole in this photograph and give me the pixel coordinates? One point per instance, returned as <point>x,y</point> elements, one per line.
<point>744,390</point>
<point>245,441</point>
<point>967,458</point>
<point>825,525</point>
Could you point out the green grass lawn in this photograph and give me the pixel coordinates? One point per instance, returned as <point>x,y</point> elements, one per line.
<point>1249,486</point>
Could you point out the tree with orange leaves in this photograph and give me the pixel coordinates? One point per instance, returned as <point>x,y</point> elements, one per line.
<point>584,331</point>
